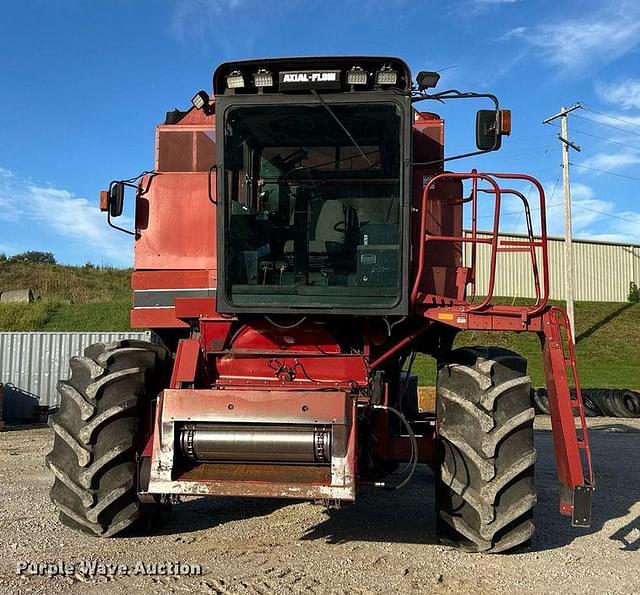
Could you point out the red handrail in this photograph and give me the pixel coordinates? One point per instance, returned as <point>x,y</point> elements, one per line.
<point>496,246</point>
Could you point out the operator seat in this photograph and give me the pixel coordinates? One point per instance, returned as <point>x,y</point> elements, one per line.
<point>330,229</point>
<point>331,226</point>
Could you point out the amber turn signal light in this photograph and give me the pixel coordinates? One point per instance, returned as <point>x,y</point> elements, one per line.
<point>104,200</point>
<point>504,121</point>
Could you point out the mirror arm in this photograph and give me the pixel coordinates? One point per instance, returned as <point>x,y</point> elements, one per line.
<point>151,174</point>
<point>454,157</point>
<point>455,94</point>
<point>122,229</point>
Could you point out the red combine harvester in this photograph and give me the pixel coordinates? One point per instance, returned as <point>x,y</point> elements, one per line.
<point>296,245</point>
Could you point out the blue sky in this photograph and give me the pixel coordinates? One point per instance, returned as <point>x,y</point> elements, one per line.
<point>84,83</point>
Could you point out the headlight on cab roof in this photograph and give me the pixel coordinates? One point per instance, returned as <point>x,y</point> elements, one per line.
<point>386,76</point>
<point>356,76</point>
<point>235,80</point>
<point>263,78</point>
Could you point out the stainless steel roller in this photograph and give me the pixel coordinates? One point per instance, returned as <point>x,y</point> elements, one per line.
<point>259,443</point>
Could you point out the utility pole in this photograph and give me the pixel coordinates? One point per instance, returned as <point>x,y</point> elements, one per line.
<point>568,252</point>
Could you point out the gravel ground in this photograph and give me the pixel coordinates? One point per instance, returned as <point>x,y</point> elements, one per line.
<point>385,542</point>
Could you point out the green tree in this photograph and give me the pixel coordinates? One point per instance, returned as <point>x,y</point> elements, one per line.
<point>634,293</point>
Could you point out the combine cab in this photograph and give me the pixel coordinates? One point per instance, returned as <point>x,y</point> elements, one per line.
<point>297,243</point>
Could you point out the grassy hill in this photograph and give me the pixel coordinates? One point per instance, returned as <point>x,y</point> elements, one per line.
<point>72,298</point>
<point>97,299</point>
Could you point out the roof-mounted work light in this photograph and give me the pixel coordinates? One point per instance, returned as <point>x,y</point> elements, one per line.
<point>427,79</point>
<point>356,76</point>
<point>235,80</point>
<point>386,76</point>
<point>263,78</point>
<point>200,99</point>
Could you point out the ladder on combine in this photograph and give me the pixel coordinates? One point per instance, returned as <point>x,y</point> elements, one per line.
<point>550,323</point>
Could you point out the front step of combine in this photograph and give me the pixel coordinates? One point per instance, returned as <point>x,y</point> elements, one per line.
<point>485,492</point>
<point>96,430</point>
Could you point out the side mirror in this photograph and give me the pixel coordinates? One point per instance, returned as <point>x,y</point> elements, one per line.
<point>116,199</point>
<point>491,125</point>
<point>487,136</point>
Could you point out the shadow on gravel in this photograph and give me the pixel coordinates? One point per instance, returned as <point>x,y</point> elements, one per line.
<point>206,513</point>
<point>408,516</point>
<point>400,516</point>
<point>614,450</point>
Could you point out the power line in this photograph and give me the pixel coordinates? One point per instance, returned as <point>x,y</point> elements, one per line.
<point>629,123</point>
<point>559,204</point>
<point>555,187</point>
<point>603,171</point>
<point>608,140</point>
<point>605,214</point>
<point>625,130</point>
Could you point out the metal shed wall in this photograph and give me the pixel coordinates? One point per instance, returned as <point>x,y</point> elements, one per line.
<point>602,272</point>
<point>32,363</point>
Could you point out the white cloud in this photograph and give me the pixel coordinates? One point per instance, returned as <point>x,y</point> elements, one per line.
<point>612,161</point>
<point>515,32</point>
<point>624,94</point>
<point>476,7</point>
<point>76,221</point>
<point>492,2</point>
<point>195,18</point>
<point>594,218</point>
<point>598,37</point>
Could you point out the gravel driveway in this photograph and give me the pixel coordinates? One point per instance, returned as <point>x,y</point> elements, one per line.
<point>383,543</point>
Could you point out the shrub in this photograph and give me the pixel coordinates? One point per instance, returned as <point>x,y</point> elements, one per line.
<point>35,257</point>
<point>634,293</point>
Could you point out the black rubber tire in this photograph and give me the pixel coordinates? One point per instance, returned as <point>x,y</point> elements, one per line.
<point>626,403</point>
<point>599,396</point>
<point>540,400</point>
<point>95,429</point>
<point>485,491</point>
<point>591,408</point>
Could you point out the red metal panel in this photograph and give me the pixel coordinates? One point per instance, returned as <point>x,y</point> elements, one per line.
<point>214,332</point>
<point>262,336</point>
<point>176,223</point>
<point>190,308</point>
<point>186,364</point>
<point>278,368</point>
<point>257,406</point>
<point>156,318</point>
<point>163,279</point>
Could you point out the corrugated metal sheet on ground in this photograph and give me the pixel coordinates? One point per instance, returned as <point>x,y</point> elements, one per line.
<point>32,363</point>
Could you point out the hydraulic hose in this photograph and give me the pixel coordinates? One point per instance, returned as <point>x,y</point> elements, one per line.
<point>414,449</point>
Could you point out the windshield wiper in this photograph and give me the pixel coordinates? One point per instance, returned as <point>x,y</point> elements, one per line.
<point>353,140</point>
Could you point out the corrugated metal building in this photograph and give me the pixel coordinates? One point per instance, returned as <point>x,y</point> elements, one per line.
<point>32,363</point>
<point>602,271</point>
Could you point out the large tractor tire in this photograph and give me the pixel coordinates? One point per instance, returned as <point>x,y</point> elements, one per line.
<point>96,436</point>
<point>485,491</point>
